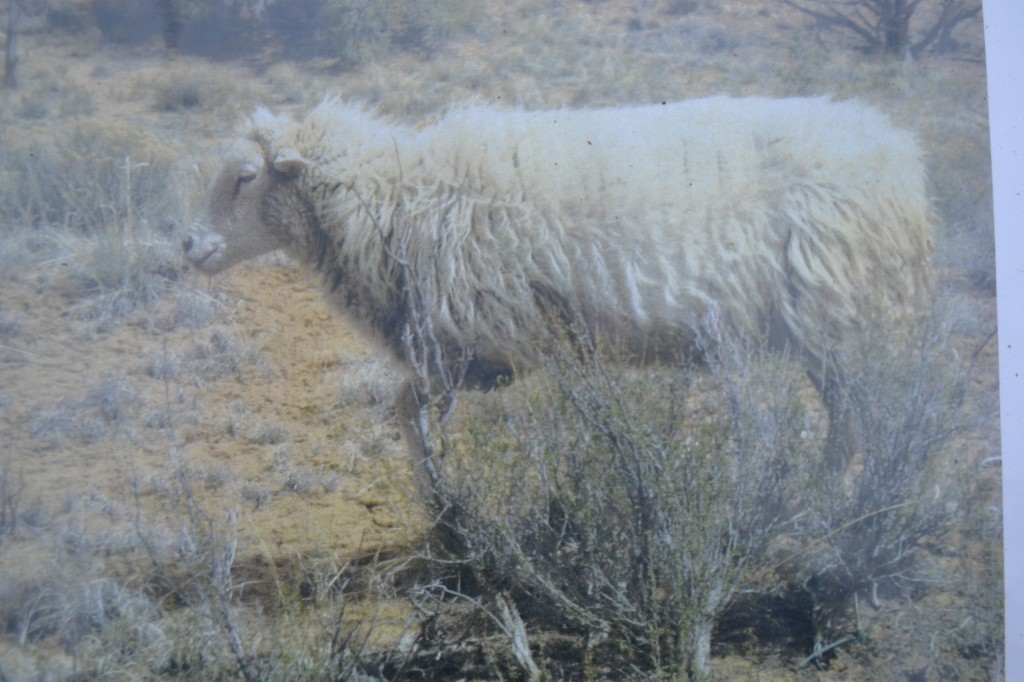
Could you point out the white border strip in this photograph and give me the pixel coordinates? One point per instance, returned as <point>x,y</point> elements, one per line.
<point>1004,45</point>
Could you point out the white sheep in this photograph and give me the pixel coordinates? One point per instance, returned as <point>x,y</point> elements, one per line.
<point>792,220</point>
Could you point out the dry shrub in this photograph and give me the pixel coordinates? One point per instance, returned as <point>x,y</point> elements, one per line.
<point>363,30</point>
<point>199,87</point>
<point>107,410</point>
<point>223,356</point>
<point>89,176</point>
<point>869,526</point>
<point>104,200</point>
<point>627,505</point>
<point>961,174</point>
<point>240,618</point>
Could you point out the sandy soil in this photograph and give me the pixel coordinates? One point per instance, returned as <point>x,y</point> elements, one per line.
<point>333,480</point>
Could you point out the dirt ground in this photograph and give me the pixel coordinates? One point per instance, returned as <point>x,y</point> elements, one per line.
<point>295,387</point>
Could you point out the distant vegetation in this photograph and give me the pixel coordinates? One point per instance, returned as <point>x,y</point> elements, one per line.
<point>349,30</point>
<point>355,30</point>
<point>897,28</point>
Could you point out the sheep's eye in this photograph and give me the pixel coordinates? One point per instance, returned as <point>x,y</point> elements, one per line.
<point>245,175</point>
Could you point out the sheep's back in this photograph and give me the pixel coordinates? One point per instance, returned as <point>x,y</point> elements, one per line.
<point>664,211</point>
<point>646,219</point>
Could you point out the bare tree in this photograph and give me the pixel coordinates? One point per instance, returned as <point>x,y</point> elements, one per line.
<point>17,12</point>
<point>893,27</point>
<point>173,20</point>
<point>14,16</point>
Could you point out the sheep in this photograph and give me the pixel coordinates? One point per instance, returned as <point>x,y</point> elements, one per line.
<point>794,221</point>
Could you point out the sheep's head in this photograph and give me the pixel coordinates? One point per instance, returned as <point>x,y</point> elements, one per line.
<point>245,212</point>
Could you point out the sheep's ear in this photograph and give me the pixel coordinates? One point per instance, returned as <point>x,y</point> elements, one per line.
<point>289,161</point>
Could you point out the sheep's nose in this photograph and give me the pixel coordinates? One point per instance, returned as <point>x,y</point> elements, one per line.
<point>187,244</point>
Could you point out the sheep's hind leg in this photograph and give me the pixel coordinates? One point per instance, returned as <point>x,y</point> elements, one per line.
<point>842,441</point>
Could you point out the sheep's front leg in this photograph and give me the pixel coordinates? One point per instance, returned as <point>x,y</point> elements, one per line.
<point>413,410</point>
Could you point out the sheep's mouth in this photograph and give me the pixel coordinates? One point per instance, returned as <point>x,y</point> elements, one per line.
<point>198,261</point>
